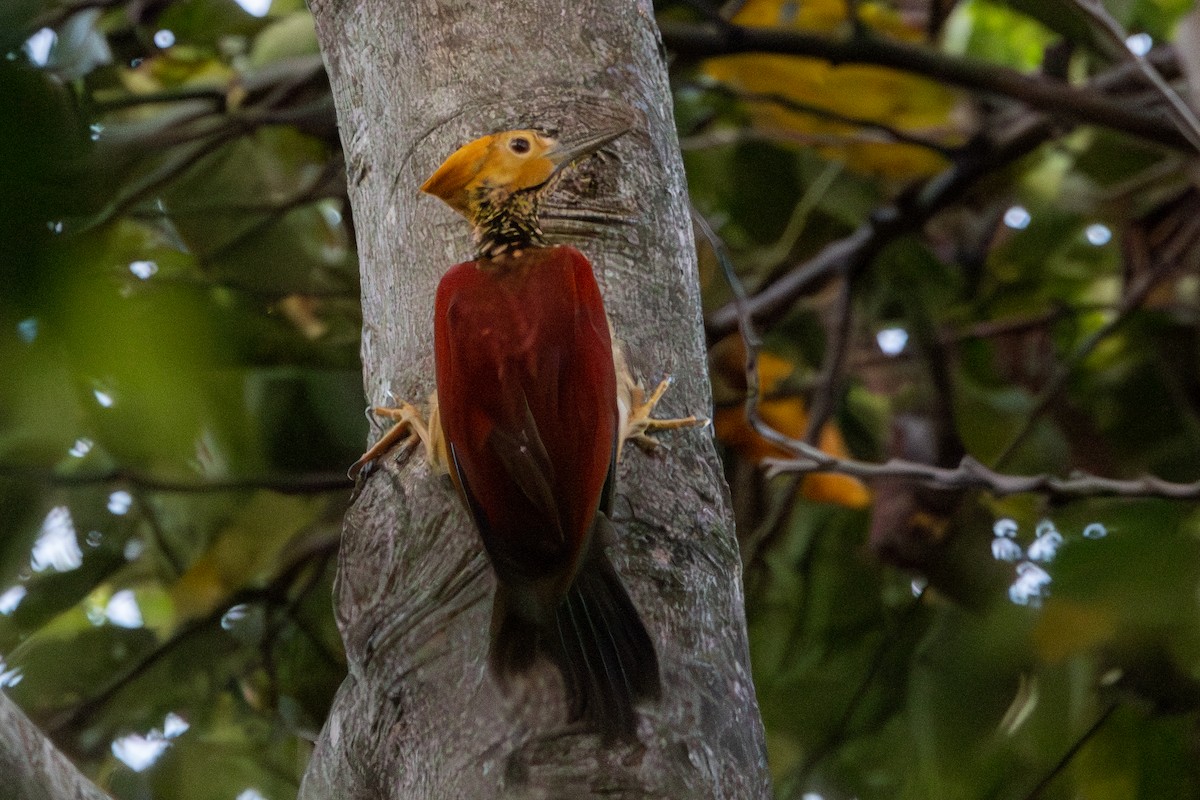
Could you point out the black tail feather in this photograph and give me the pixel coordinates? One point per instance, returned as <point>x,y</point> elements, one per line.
<point>598,642</point>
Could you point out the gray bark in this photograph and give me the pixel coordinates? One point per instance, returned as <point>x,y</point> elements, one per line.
<point>419,716</point>
<point>31,768</point>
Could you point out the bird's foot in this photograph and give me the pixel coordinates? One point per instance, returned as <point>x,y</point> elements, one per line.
<point>639,424</point>
<point>410,428</point>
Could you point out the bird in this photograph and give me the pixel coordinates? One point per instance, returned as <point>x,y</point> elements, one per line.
<point>534,403</point>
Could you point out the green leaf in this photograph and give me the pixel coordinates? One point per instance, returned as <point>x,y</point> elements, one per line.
<point>1016,36</point>
<point>288,36</point>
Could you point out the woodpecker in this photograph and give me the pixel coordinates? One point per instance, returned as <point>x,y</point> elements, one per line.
<point>533,404</point>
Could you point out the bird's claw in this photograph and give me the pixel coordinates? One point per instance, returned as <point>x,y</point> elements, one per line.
<point>409,429</point>
<point>640,424</point>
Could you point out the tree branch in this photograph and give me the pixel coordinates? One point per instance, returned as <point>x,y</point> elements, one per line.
<point>887,132</point>
<point>301,483</point>
<point>1183,116</point>
<point>970,474</point>
<point>31,767</point>
<point>420,716</point>
<point>1143,285</point>
<point>1072,751</point>
<point>1080,104</point>
<point>835,737</point>
<point>908,214</point>
<point>838,334</point>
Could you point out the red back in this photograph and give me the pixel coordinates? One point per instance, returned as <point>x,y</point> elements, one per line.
<point>527,396</point>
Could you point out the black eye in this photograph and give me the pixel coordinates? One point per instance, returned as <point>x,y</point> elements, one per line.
<point>519,145</point>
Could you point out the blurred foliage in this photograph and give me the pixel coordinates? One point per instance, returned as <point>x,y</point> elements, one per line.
<point>179,328</point>
<point>182,394</point>
<point>952,644</point>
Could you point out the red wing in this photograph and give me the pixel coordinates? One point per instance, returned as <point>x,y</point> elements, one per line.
<point>527,398</point>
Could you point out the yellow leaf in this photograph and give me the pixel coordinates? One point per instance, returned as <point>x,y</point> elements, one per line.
<point>244,552</point>
<point>1066,627</point>
<point>789,416</point>
<point>176,68</point>
<point>902,102</point>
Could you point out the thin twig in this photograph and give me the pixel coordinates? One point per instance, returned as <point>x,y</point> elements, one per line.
<point>1143,285</point>
<point>970,474</point>
<point>774,256</point>
<point>334,659</point>
<point>300,483</point>
<point>713,14</point>
<point>148,514</point>
<point>290,614</point>
<point>1072,751</point>
<point>727,137</point>
<point>269,294</point>
<point>181,162</point>
<point>791,104</point>
<point>750,339</point>
<point>802,569</point>
<point>317,189</point>
<point>286,576</point>
<point>855,251</point>
<point>1007,326</point>
<point>1181,113</point>
<point>833,364</point>
<point>837,734</point>
<point>289,610</point>
<point>215,95</point>
<point>760,539</point>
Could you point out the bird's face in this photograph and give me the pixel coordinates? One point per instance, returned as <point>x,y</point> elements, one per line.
<point>519,160</point>
<point>493,168</point>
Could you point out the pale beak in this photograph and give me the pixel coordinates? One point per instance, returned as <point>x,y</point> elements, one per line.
<point>563,156</point>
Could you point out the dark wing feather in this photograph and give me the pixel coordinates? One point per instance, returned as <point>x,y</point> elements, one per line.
<point>523,454</point>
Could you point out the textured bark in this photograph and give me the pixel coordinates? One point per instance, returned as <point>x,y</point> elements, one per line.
<point>419,716</point>
<point>31,768</point>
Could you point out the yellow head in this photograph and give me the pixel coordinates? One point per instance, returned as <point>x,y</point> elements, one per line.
<point>493,168</point>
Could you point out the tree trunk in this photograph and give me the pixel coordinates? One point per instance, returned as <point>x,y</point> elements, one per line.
<point>419,715</point>
<point>31,767</point>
